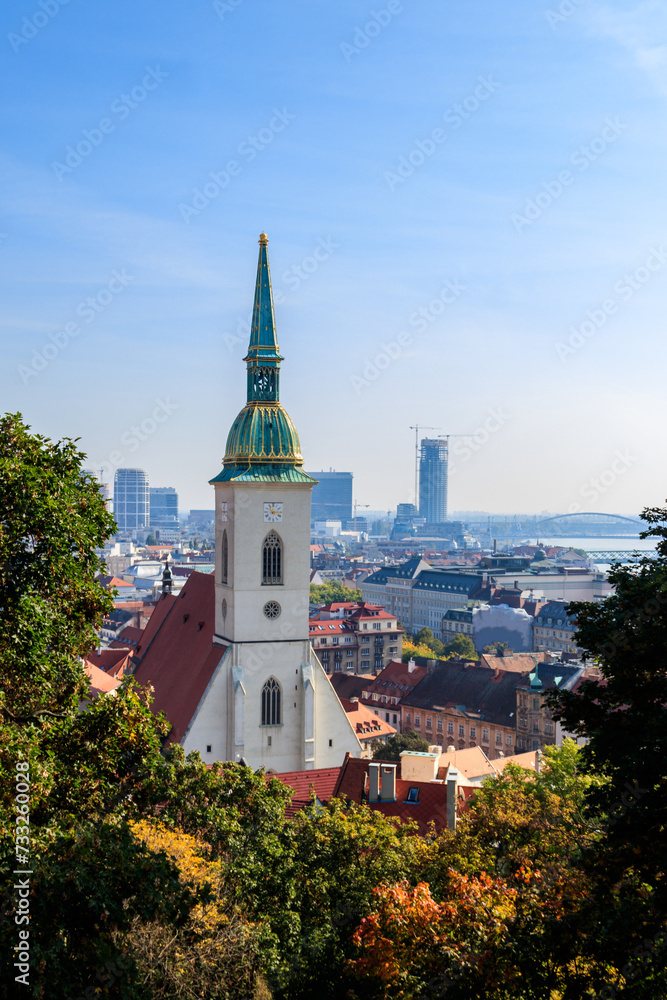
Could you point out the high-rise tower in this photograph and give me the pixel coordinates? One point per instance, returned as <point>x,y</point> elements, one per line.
<point>280,709</point>
<point>433,480</point>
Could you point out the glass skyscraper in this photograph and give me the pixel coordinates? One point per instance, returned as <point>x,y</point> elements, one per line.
<point>131,499</point>
<point>433,480</point>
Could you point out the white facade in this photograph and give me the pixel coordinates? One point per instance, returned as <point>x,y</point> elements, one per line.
<point>313,730</point>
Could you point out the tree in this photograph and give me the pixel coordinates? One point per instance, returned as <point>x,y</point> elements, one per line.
<point>151,540</point>
<point>333,591</point>
<point>623,717</point>
<point>53,520</point>
<point>496,648</point>
<point>462,646</point>
<point>410,651</point>
<point>409,740</point>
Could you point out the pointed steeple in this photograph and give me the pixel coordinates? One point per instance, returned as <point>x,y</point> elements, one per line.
<point>262,444</point>
<point>263,357</point>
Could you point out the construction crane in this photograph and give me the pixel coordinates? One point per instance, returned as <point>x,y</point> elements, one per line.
<point>416,428</point>
<point>355,511</point>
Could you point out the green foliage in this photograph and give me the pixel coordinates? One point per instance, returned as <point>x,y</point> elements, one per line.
<point>426,638</point>
<point>332,591</point>
<point>496,648</point>
<point>151,540</point>
<point>53,518</point>
<point>624,720</point>
<point>409,740</point>
<point>462,646</point>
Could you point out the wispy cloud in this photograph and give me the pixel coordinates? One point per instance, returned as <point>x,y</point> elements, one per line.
<point>642,29</point>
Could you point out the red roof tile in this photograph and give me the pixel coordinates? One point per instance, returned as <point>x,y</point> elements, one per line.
<point>367,724</point>
<point>431,806</point>
<point>321,780</point>
<point>178,657</point>
<point>100,683</point>
<point>111,661</point>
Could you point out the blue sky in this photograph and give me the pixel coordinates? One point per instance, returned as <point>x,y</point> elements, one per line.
<point>466,208</point>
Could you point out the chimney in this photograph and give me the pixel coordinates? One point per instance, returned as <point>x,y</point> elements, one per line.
<point>388,786</point>
<point>452,786</point>
<point>411,666</point>
<point>373,782</point>
<point>451,748</point>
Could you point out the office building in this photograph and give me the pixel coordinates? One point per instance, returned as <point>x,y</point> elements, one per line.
<point>433,480</point>
<point>164,507</point>
<point>131,499</point>
<point>332,496</point>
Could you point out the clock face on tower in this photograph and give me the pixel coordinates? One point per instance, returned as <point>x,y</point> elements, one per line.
<point>273,511</point>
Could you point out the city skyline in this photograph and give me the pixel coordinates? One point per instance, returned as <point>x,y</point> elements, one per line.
<point>465,217</point>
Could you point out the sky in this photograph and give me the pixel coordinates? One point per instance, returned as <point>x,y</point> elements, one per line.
<point>466,208</point>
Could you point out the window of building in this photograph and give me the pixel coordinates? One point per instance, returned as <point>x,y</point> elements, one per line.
<point>523,722</point>
<point>323,640</point>
<point>271,715</point>
<point>508,740</point>
<point>407,719</point>
<point>462,730</point>
<point>429,724</point>
<point>209,748</point>
<point>536,725</point>
<point>473,732</point>
<point>549,728</point>
<point>394,719</point>
<point>413,795</point>
<point>224,564</point>
<point>439,727</point>
<point>450,727</point>
<point>378,662</point>
<point>334,641</point>
<point>499,739</point>
<point>348,638</point>
<point>366,665</point>
<point>418,720</point>
<point>536,745</point>
<point>377,625</point>
<point>386,716</point>
<point>272,560</point>
<point>536,704</point>
<point>350,652</point>
<point>485,735</point>
<point>366,651</point>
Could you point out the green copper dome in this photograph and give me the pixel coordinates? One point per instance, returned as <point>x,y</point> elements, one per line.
<point>263,445</point>
<point>263,433</point>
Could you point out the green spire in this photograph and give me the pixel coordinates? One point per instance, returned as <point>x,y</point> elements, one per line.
<point>263,358</point>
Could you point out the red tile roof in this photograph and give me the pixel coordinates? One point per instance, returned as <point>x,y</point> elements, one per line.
<point>178,656</point>
<point>100,683</point>
<point>129,636</point>
<point>111,661</point>
<point>367,725</point>
<point>431,806</point>
<point>395,681</point>
<point>321,780</point>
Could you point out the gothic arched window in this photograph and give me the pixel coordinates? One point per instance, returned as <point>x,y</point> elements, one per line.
<point>224,559</point>
<point>271,703</point>
<point>272,560</point>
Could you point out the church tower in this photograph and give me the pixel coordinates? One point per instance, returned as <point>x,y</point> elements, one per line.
<point>278,708</point>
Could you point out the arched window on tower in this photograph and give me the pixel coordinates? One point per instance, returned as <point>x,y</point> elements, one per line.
<point>271,703</point>
<point>272,560</point>
<point>224,559</point>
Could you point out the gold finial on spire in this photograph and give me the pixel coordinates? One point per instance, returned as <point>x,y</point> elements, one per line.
<point>263,239</point>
